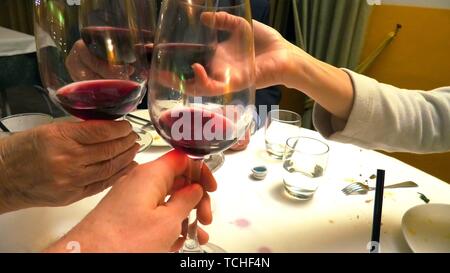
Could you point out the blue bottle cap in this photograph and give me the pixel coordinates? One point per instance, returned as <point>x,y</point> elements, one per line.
<point>260,172</point>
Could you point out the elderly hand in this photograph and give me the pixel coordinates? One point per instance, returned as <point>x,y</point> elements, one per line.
<point>60,163</point>
<point>135,216</point>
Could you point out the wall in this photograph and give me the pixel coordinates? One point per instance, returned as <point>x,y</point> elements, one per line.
<point>419,58</point>
<point>436,4</point>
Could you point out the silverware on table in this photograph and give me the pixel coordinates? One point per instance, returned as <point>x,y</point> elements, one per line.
<point>361,188</point>
<point>145,123</point>
<point>4,128</point>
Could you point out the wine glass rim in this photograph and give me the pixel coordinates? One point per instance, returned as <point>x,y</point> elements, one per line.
<point>326,147</point>
<point>186,2</point>
<point>298,116</point>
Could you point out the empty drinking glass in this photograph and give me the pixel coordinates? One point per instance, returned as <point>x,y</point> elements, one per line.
<point>305,161</point>
<point>281,125</point>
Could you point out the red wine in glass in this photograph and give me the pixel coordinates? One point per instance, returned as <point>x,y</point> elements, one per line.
<point>100,99</point>
<point>197,131</point>
<point>113,44</point>
<point>178,58</point>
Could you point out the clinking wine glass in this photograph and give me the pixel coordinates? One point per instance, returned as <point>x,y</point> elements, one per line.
<point>94,56</point>
<point>202,83</point>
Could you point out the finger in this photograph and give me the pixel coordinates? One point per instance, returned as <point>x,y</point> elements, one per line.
<point>109,168</point>
<point>183,201</point>
<point>204,83</point>
<point>108,150</point>
<point>203,236</point>
<point>178,184</point>
<point>77,70</point>
<point>204,213</point>
<point>166,169</point>
<point>176,247</point>
<point>98,187</point>
<point>208,181</point>
<point>95,131</point>
<point>201,85</point>
<point>222,21</point>
<point>157,177</point>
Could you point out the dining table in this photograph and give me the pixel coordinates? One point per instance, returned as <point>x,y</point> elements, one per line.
<point>258,216</point>
<point>14,43</point>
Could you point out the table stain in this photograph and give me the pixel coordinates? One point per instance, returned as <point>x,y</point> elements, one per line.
<point>264,249</point>
<point>242,223</point>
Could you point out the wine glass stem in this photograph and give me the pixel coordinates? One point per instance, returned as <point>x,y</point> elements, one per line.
<point>192,244</point>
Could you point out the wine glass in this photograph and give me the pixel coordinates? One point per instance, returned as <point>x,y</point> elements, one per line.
<point>202,83</point>
<point>94,56</point>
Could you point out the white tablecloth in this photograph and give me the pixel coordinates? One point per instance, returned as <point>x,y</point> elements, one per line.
<point>251,216</point>
<point>15,43</point>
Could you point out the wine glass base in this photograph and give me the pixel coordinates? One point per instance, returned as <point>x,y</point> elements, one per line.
<point>212,248</point>
<point>208,248</point>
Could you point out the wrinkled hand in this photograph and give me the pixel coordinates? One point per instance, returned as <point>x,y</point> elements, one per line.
<point>84,66</point>
<point>135,216</point>
<point>61,163</point>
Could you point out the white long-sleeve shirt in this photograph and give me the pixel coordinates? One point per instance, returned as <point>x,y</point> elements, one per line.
<point>388,118</point>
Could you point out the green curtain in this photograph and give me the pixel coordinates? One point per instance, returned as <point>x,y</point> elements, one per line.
<point>330,30</point>
<point>333,30</point>
<point>17,15</point>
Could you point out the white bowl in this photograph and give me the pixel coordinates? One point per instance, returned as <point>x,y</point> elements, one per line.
<point>24,122</point>
<point>427,228</point>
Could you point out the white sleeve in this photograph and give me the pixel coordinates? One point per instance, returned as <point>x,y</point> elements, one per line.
<point>391,119</point>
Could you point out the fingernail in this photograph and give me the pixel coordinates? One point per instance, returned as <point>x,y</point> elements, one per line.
<point>138,137</point>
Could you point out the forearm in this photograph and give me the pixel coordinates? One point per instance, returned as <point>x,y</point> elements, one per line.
<point>80,239</point>
<point>71,243</point>
<point>384,117</point>
<point>329,86</point>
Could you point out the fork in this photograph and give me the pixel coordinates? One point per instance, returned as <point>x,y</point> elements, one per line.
<point>361,188</point>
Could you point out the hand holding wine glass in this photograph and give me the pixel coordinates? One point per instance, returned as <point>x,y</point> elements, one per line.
<point>61,163</point>
<point>224,68</point>
<point>93,60</point>
<point>144,210</point>
<point>272,54</point>
<point>202,89</point>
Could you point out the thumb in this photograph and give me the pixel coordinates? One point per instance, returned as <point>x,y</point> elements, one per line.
<point>222,21</point>
<point>183,201</point>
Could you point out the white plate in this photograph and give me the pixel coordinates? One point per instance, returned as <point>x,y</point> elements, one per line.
<point>24,122</point>
<point>427,228</point>
<point>158,141</point>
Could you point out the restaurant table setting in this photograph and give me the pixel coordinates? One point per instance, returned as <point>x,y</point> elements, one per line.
<point>259,216</point>
<point>288,190</point>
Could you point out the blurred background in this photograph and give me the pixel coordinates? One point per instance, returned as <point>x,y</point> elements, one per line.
<point>401,42</point>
